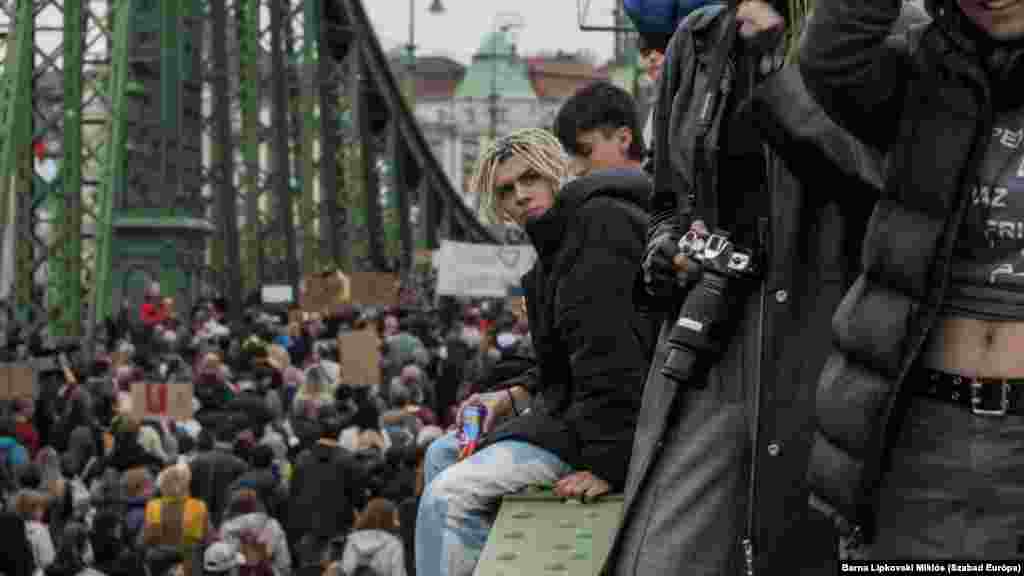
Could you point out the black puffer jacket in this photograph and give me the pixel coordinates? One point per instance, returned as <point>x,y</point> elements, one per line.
<point>593,348</point>
<point>928,102</point>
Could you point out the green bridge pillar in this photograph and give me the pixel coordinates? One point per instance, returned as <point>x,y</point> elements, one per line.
<point>159,225</point>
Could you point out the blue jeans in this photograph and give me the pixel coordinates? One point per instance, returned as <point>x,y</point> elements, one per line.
<point>461,499</point>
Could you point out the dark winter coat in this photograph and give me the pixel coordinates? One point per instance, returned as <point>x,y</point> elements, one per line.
<point>928,102</point>
<point>686,497</point>
<point>212,473</point>
<point>592,346</point>
<point>309,512</point>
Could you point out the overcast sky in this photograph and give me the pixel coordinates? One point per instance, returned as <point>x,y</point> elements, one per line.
<point>549,25</point>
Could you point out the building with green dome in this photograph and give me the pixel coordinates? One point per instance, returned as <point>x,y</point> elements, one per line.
<point>455,103</point>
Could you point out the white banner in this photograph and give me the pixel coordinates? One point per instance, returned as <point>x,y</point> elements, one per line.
<point>277,294</point>
<point>482,270</point>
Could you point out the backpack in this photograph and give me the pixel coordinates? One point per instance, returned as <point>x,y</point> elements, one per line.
<point>363,566</point>
<point>257,552</point>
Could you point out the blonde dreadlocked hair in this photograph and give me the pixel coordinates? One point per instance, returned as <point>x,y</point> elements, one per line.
<point>538,147</point>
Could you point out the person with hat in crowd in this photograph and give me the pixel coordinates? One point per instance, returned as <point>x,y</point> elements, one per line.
<point>255,532</point>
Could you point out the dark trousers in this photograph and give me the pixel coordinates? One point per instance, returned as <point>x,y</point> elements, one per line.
<point>955,488</point>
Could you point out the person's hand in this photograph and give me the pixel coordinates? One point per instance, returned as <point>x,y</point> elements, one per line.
<point>760,24</point>
<point>499,405</point>
<point>582,485</point>
<point>664,267</point>
<point>658,267</point>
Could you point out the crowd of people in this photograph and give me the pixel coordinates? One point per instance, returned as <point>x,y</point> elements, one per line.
<point>843,384</point>
<point>286,464</point>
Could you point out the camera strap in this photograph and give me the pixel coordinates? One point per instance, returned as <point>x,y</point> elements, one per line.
<point>714,102</point>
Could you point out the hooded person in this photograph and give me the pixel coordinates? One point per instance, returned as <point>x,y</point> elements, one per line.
<point>373,543</point>
<point>249,528</point>
<point>592,346</point>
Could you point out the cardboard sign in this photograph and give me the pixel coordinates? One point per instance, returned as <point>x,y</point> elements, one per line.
<point>17,381</point>
<point>119,358</point>
<point>325,292</point>
<point>375,289</point>
<point>124,402</point>
<point>162,400</point>
<point>482,270</point>
<point>359,355</point>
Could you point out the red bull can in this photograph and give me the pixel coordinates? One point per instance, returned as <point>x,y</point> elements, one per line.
<point>472,424</point>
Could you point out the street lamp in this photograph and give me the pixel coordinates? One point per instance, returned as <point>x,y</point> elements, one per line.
<point>435,8</point>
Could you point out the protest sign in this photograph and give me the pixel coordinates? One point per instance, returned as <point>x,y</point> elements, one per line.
<point>17,381</point>
<point>482,270</point>
<point>325,292</point>
<point>162,400</point>
<point>119,358</point>
<point>277,294</point>
<point>374,288</point>
<point>124,402</point>
<point>359,355</point>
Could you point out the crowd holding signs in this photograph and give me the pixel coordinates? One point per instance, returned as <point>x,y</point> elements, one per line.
<point>468,270</point>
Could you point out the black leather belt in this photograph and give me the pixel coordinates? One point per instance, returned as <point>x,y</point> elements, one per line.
<point>984,396</point>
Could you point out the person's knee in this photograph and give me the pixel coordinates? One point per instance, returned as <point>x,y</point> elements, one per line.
<point>450,488</point>
<point>440,454</point>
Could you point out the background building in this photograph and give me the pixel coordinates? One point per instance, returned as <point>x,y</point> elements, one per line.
<point>460,107</point>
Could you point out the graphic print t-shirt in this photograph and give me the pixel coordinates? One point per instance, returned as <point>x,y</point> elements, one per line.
<point>988,261</point>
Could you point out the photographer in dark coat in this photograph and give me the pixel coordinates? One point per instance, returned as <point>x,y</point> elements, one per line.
<point>592,348</point>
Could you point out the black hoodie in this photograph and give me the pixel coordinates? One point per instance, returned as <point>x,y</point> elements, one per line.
<point>593,347</point>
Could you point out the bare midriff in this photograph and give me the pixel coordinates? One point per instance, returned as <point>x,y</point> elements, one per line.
<point>976,348</point>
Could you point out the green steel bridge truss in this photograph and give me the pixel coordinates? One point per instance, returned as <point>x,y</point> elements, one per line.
<point>290,154</point>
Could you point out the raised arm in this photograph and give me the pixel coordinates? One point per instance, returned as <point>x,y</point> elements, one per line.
<point>852,67</point>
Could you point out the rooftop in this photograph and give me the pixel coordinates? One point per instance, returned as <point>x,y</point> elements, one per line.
<point>560,76</point>
<point>496,68</point>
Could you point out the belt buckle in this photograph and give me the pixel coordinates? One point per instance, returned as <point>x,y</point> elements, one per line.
<point>977,400</point>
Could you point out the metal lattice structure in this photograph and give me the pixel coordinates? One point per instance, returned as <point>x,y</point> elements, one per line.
<point>59,101</point>
<point>213,145</point>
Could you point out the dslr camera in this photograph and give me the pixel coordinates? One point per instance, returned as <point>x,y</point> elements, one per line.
<point>718,270</point>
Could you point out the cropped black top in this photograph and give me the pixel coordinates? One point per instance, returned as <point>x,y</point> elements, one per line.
<point>988,262</point>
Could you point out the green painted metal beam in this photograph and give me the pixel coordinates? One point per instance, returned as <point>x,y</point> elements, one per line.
<point>114,179</point>
<point>17,87</point>
<point>170,86</point>
<point>310,56</point>
<point>249,69</point>
<point>24,170</point>
<point>69,323</point>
